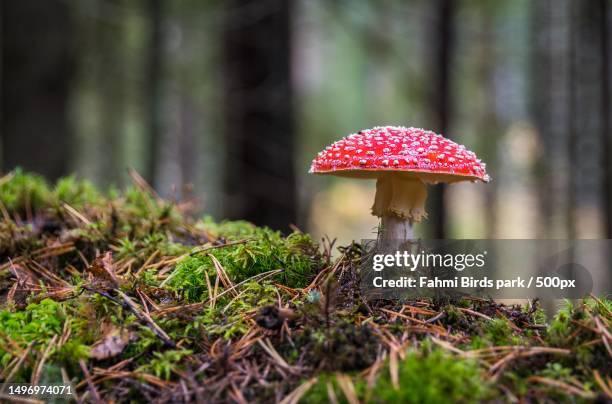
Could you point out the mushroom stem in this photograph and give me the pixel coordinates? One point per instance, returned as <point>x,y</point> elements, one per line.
<point>394,228</point>
<point>400,196</point>
<point>399,201</point>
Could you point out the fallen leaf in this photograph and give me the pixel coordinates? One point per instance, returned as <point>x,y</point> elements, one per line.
<point>111,345</point>
<point>26,283</point>
<point>102,273</point>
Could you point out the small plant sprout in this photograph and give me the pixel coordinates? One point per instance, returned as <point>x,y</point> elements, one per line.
<point>402,161</point>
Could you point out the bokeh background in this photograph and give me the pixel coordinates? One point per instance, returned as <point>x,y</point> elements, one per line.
<point>228,102</point>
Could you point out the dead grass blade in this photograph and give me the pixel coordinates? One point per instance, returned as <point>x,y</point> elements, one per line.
<point>146,318</point>
<point>568,388</point>
<point>601,304</point>
<point>45,355</point>
<point>331,393</point>
<point>142,184</point>
<point>295,395</point>
<point>606,337</point>
<point>606,387</point>
<point>448,346</point>
<point>371,373</point>
<point>214,247</point>
<point>90,384</point>
<point>17,366</point>
<point>348,388</point>
<point>394,369</point>
<point>222,275</point>
<point>522,352</point>
<point>269,348</point>
<point>76,214</point>
<point>474,313</point>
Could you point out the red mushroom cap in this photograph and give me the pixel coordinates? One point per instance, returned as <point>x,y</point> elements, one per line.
<point>410,151</point>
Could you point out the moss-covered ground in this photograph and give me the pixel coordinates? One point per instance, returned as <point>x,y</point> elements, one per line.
<point>130,298</point>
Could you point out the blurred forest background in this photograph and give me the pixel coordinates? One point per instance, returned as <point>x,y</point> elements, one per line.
<point>228,102</point>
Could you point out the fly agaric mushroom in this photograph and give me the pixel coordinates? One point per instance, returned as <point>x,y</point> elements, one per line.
<point>402,160</point>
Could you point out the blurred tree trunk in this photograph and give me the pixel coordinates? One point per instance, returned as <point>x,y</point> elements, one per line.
<point>550,95</point>
<point>541,65</point>
<point>587,120</point>
<point>110,81</point>
<point>606,129</point>
<point>440,99</point>
<point>571,122</point>
<point>37,68</point>
<point>488,124</point>
<point>259,128</point>
<point>155,9</point>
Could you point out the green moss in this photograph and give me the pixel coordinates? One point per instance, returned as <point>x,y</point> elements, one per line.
<point>498,332</point>
<point>15,238</point>
<point>563,327</point>
<point>560,328</point>
<point>428,377</point>
<point>24,192</point>
<point>229,317</point>
<point>230,230</point>
<point>147,341</point>
<point>164,363</point>
<point>557,371</point>
<point>266,250</point>
<point>77,193</point>
<point>572,327</point>
<point>424,377</point>
<point>143,247</point>
<point>38,324</point>
<point>537,313</point>
<point>453,316</point>
<point>189,278</point>
<point>140,203</point>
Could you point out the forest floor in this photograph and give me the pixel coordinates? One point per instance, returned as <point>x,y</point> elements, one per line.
<point>126,296</point>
